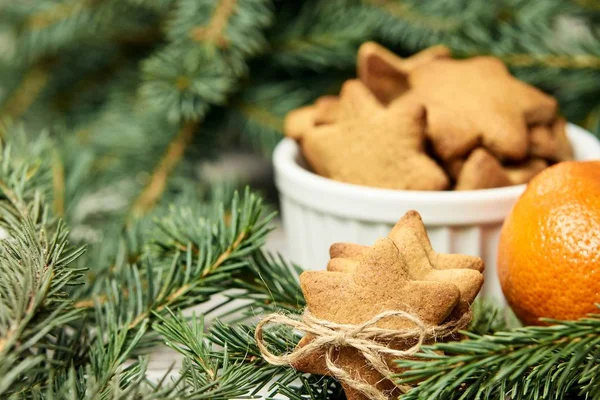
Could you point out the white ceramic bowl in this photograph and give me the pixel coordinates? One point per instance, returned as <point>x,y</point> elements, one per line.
<point>318,211</point>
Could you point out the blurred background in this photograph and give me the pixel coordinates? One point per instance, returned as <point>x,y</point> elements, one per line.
<point>147,100</point>
<point>146,109</point>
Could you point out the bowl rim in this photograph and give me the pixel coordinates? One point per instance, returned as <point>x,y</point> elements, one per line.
<point>351,201</point>
<point>287,154</point>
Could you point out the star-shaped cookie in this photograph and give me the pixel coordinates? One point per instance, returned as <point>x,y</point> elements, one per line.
<point>373,145</point>
<point>386,74</point>
<point>481,170</point>
<point>550,141</point>
<point>423,262</point>
<point>380,282</point>
<point>297,122</point>
<point>478,101</point>
<point>380,69</point>
<point>468,102</point>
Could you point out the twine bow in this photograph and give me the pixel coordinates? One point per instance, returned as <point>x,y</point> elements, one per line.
<point>371,341</point>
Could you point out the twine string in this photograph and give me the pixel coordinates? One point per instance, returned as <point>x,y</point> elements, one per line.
<point>372,342</point>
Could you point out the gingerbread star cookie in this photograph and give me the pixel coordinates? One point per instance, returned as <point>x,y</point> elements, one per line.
<point>373,145</point>
<point>477,101</point>
<point>385,74</point>
<point>325,111</point>
<point>468,101</point>
<point>423,262</point>
<point>380,282</point>
<point>550,141</point>
<point>483,171</point>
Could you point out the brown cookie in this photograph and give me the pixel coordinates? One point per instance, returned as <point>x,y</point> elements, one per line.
<point>477,102</point>
<point>352,251</point>
<point>374,145</point>
<point>347,250</point>
<point>541,141</point>
<point>352,298</point>
<point>380,282</point>
<point>297,122</point>
<point>386,276</point>
<point>565,150</point>
<point>413,220</point>
<point>524,172</point>
<point>423,262</point>
<point>483,171</point>
<point>385,74</point>
<point>470,101</point>
<point>453,167</point>
<point>550,141</point>
<point>349,359</point>
<point>327,110</point>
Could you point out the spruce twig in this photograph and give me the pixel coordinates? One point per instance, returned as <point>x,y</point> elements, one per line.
<point>575,61</point>
<point>405,12</point>
<point>35,275</point>
<point>158,181</point>
<point>524,363</point>
<point>219,376</point>
<point>213,31</point>
<point>59,12</point>
<point>31,85</point>
<point>66,353</point>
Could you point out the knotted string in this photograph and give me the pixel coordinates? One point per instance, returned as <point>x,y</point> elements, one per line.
<point>371,342</point>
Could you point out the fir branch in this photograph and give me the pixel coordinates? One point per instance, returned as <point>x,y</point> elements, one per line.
<point>35,268</point>
<point>58,12</point>
<point>203,263</point>
<point>588,5</point>
<point>137,295</point>
<point>24,95</point>
<point>263,128</point>
<point>114,344</point>
<point>191,261</point>
<point>49,27</point>
<point>525,363</point>
<point>270,285</point>
<point>24,175</point>
<point>263,117</point>
<point>213,374</point>
<point>319,36</point>
<point>311,387</point>
<point>234,230</point>
<point>158,181</point>
<point>241,347</point>
<point>404,11</point>
<point>58,183</point>
<point>563,61</point>
<point>183,79</point>
<point>183,84</point>
<point>229,28</point>
<point>213,31</point>
<point>489,318</point>
<point>88,85</point>
<point>414,25</point>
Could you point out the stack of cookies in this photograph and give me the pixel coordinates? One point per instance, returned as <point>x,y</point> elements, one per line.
<point>401,272</point>
<point>430,122</point>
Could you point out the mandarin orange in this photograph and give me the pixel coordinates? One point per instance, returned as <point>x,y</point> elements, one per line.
<point>549,251</point>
